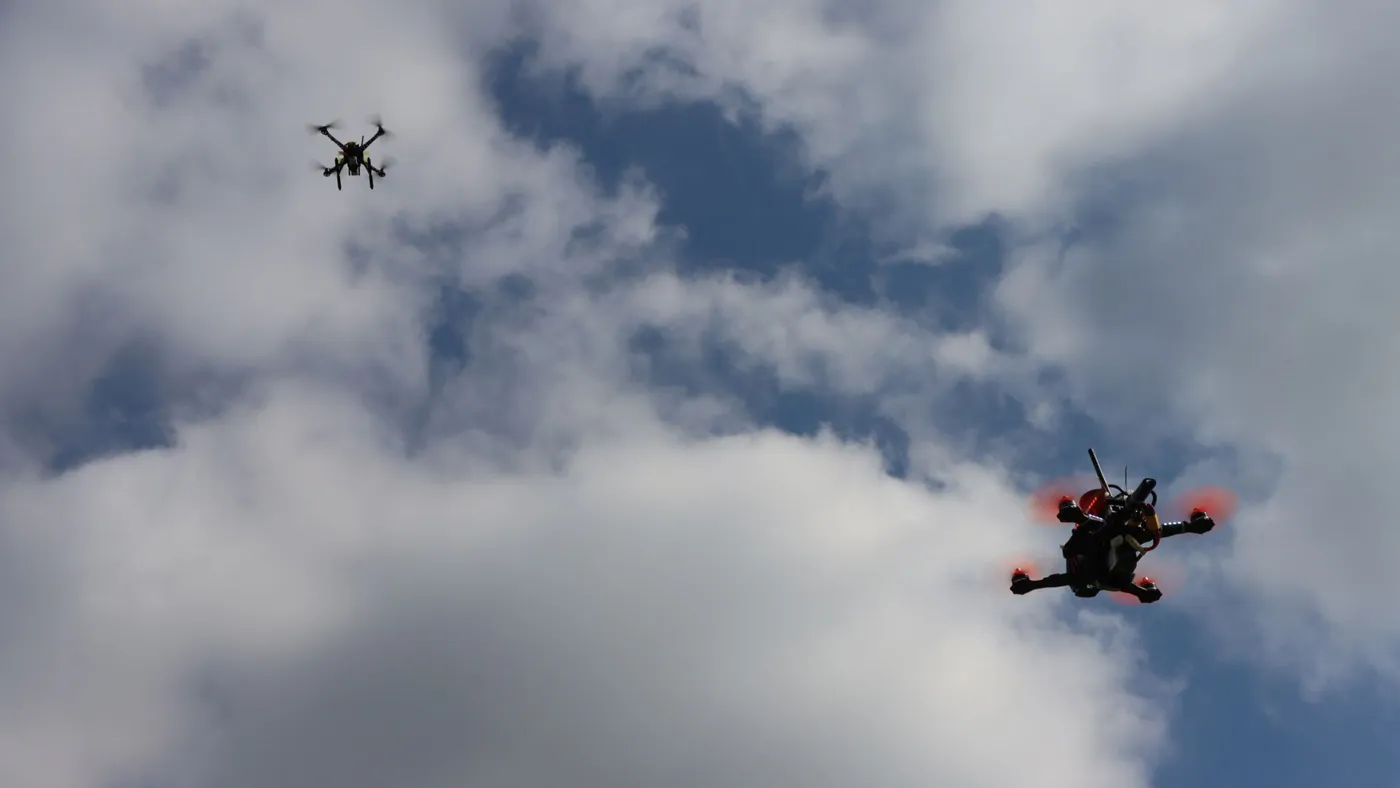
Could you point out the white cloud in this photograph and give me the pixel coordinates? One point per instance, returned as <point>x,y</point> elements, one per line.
<point>753,608</point>
<point>808,338</point>
<point>962,106</point>
<point>1255,260</point>
<point>556,587</point>
<point>928,253</point>
<point>1245,152</point>
<point>195,223</point>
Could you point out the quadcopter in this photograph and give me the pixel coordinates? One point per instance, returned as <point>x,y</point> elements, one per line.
<point>1113,530</point>
<point>352,154</point>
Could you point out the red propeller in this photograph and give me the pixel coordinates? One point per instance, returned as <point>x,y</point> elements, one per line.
<point>1026,565</point>
<point>1218,502</point>
<point>1169,577</point>
<point>1010,566</point>
<point>1044,503</point>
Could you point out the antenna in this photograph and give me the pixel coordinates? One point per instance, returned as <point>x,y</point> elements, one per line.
<point>1103,483</point>
<point>1125,477</point>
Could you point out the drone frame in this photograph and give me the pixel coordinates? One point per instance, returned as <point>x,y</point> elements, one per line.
<point>1115,497</point>
<point>342,159</point>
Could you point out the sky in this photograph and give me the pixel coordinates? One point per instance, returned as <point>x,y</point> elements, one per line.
<point>667,416</point>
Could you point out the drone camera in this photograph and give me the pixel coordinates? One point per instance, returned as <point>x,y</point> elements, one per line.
<point>1144,489</point>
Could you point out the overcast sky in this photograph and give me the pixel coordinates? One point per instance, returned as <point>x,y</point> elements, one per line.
<point>666,417</point>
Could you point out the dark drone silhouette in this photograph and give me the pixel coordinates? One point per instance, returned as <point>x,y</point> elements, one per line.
<point>352,154</point>
<point>1113,530</point>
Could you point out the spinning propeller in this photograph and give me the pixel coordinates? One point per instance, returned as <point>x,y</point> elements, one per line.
<point>1168,575</point>
<point>1218,502</point>
<point>1044,503</point>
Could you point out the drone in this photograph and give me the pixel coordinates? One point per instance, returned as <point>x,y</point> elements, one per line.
<point>1113,530</point>
<point>352,154</point>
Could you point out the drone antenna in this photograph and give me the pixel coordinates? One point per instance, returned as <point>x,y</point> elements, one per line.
<point>1125,477</point>
<point>1103,483</point>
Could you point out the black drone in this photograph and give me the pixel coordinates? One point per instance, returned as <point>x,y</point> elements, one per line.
<point>1113,530</point>
<point>352,153</point>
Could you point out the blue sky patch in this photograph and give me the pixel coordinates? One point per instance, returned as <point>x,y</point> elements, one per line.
<point>743,197</point>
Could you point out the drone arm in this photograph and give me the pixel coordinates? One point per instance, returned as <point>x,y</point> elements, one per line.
<point>1143,595</point>
<point>1025,585</point>
<point>1197,526</point>
<point>377,134</point>
<point>1070,512</point>
<point>1173,529</point>
<point>1057,580</point>
<point>332,138</point>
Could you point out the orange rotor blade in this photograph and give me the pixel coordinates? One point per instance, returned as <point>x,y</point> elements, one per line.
<point>1218,502</point>
<point>999,572</point>
<point>1170,578</point>
<point>1027,565</point>
<point>1044,504</point>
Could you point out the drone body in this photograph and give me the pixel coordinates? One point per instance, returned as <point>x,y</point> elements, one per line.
<point>1113,530</point>
<point>352,155</point>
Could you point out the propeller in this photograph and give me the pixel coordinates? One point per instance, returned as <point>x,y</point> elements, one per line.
<point>997,573</point>
<point>1219,502</point>
<point>312,128</point>
<point>1022,564</point>
<point>1165,582</point>
<point>1044,504</point>
<point>1007,568</point>
<point>1124,598</point>
<point>377,121</point>
<point>1169,576</point>
<point>318,166</point>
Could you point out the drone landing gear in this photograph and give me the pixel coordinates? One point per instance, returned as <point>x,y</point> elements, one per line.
<point>369,165</point>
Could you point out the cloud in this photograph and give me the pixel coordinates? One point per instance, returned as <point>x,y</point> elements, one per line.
<point>547,581</point>
<point>1228,166</point>
<point>925,252</point>
<point>810,338</point>
<point>938,112</point>
<point>182,215</point>
<point>752,607</point>
<point>1243,293</point>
